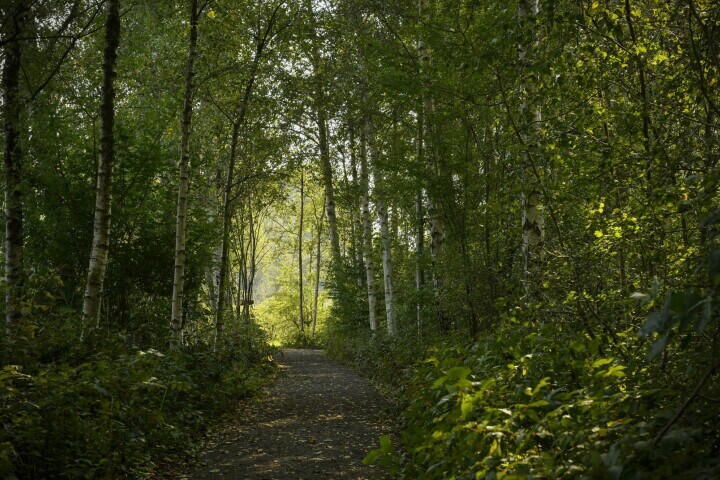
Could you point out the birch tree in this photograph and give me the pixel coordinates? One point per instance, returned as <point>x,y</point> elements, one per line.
<point>530,119</point>
<point>103,196</point>
<point>319,101</point>
<point>436,169</point>
<point>387,262</point>
<point>318,254</point>
<point>301,225</point>
<point>367,226</point>
<point>184,176</point>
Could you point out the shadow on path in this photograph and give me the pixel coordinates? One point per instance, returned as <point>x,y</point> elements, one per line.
<point>317,421</point>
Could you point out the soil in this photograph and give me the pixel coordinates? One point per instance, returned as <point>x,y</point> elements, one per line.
<point>317,421</point>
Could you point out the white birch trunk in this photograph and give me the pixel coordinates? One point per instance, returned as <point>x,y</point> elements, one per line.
<point>103,196</point>
<point>301,295</point>
<point>184,179</point>
<point>530,119</point>
<point>367,228</point>
<point>317,272</point>
<point>387,267</point>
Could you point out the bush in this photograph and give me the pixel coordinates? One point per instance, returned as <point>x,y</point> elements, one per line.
<point>532,403</point>
<point>115,412</point>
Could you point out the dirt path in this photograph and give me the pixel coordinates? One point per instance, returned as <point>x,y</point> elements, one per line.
<point>317,421</point>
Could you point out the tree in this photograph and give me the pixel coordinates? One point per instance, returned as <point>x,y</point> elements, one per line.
<point>12,49</point>
<point>103,192</point>
<point>184,175</point>
<point>263,36</point>
<point>301,234</point>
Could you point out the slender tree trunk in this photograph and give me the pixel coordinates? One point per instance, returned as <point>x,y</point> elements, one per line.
<point>251,268</point>
<point>228,193</point>
<point>437,222</point>
<point>184,182</point>
<point>327,175</point>
<point>356,216</point>
<point>242,277</point>
<point>103,195</point>
<point>325,165</point>
<point>12,106</point>
<point>419,254</point>
<point>367,228</point>
<point>387,265</point>
<point>300,254</point>
<point>420,227</point>
<point>226,225</point>
<point>382,211</point>
<point>532,217</point>
<point>318,253</point>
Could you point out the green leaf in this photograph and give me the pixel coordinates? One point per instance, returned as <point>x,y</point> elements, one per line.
<point>601,362</point>
<point>457,373</point>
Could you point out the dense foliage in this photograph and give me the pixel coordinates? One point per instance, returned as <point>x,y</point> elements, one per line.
<point>109,410</point>
<point>556,311</point>
<point>505,210</point>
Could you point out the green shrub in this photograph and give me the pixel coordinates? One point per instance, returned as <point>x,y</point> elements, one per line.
<point>532,403</point>
<point>113,414</point>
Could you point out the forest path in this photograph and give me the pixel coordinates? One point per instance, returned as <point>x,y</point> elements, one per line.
<point>317,421</point>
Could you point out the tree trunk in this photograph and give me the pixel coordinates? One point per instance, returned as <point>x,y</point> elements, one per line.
<point>12,106</point>
<point>532,217</point>
<point>420,227</point>
<point>184,182</point>
<point>419,253</point>
<point>103,196</point>
<point>356,217</point>
<point>226,225</point>
<point>327,174</point>
<point>242,278</point>
<point>325,165</point>
<point>387,265</point>
<point>251,268</point>
<point>367,227</point>
<point>262,41</point>
<point>300,254</point>
<point>437,223</point>
<point>317,273</point>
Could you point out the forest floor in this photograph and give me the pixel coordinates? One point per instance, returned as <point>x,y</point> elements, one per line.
<point>317,421</point>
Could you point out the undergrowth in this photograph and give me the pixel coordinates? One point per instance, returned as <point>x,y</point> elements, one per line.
<point>536,402</point>
<point>105,409</point>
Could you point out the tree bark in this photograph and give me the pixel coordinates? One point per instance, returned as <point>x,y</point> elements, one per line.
<point>533,230</point>
<point>387,265</point>
<point>420,227</point>
<point>325,165</point>
<point>327,173</point>
<point>356,217</point>
<point>103,192</point>
<point>318,253</point>
<point>367,227</point>
<point>227,222</point>
<point>300,255</point>
<point>436,220</point>
<point>184,181</point>
<point>12,106</point>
